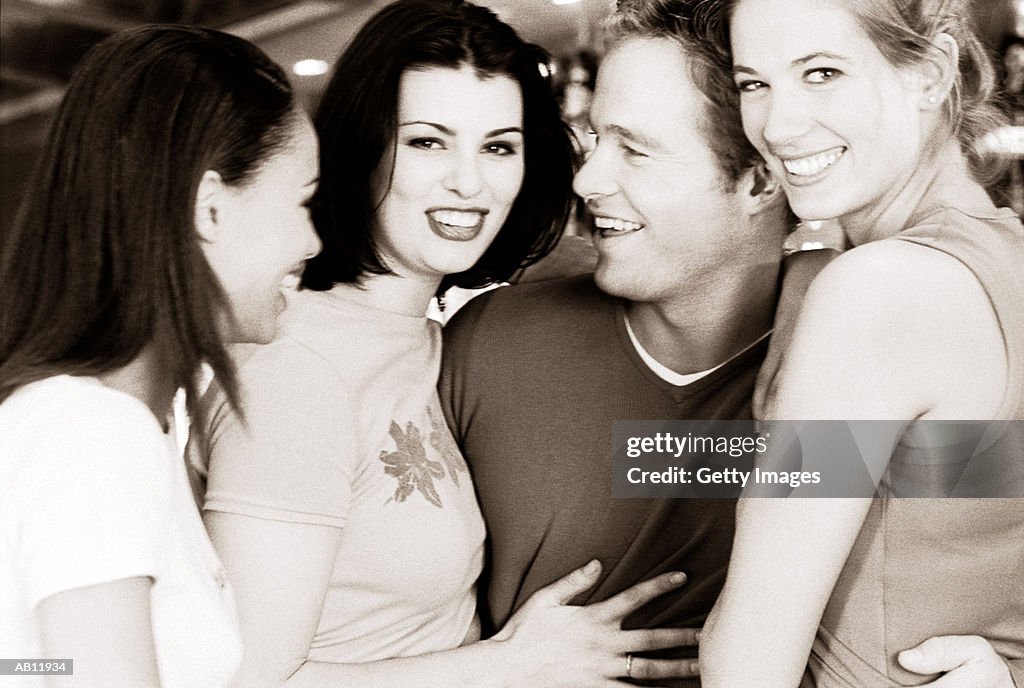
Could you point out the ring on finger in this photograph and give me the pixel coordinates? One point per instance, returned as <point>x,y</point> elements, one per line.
<point>629,666</point>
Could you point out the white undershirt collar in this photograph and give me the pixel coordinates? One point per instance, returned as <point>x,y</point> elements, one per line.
<point>671,376</point>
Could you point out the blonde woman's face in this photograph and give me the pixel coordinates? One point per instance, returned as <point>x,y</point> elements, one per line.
<point>840,126</point>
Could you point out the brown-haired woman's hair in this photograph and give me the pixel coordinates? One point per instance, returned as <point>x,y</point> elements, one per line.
<point>903,31</point>
<point>103,258</point>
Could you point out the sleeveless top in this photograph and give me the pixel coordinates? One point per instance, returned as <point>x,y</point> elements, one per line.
<point>922,567</point>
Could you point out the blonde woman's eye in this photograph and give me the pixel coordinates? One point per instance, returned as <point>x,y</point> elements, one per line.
<point>750,85</point>
<point>822,75</point>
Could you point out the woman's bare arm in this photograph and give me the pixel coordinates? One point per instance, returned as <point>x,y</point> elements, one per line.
<point>106,630</point>
<point>873,337</point>
<point>281,571</point>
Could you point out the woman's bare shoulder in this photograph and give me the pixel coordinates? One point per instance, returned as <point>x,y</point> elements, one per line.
<point>901,316</point>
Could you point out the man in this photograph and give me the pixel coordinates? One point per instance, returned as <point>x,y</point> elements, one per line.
<point>673,324</point>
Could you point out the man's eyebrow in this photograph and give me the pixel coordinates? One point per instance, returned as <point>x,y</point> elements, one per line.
<point>634,137</point>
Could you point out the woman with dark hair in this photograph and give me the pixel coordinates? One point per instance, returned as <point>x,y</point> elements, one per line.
<point>165,216</point>
<point>869,112</point>
<point>342,508</point>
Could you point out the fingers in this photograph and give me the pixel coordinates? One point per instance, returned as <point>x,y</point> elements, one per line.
<point>944,653</point>
<point>638,595</point>
<point>656,639</point>
<point>570,585</point>
<point>644,668</point>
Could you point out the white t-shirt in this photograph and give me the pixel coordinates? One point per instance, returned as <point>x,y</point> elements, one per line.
<point>92,491</point>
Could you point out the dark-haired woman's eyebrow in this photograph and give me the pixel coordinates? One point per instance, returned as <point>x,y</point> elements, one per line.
<point>440,127</point>
<point>448,132</point>
<point>503,131</point>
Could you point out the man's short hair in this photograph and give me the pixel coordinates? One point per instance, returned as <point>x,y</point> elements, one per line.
<point>708,70</point>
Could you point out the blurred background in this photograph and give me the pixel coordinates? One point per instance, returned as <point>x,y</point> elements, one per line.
<point>42,40</point>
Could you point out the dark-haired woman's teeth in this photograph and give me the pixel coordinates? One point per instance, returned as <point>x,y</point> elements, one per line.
<point>457,218</point>
<point>456,225</point>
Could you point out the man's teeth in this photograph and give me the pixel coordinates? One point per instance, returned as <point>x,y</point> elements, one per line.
<point>616,224</point>
<point>812,164</point>
<point>457,218</point>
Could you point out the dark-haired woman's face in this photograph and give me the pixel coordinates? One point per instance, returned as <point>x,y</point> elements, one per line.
<point>457,168</point>
<point>839,125</point>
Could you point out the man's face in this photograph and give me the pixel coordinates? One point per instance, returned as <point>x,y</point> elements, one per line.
<point>664,221</point>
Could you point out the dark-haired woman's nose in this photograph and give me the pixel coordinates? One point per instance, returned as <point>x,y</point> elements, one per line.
<point>464,177</point>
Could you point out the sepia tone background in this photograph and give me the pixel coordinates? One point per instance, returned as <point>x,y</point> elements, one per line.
<point>42,40</point>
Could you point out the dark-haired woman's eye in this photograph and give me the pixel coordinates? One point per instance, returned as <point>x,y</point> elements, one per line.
<point>425,143</point>
<point>501,148</point>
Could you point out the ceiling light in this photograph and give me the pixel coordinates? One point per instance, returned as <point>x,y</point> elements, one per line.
<point>310,67</point>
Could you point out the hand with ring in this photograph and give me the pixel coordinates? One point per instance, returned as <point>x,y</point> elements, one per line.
<point>552,643</point>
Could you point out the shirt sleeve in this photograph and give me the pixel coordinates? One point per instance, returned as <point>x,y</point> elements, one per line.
<point>458,354</point>
<point>290,455</point>
<point>94,494</point>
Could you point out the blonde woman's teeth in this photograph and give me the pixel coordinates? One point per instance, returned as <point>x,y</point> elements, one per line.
<point>812,164</point>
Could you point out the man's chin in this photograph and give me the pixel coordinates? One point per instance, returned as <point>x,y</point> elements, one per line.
<point>617,282</point>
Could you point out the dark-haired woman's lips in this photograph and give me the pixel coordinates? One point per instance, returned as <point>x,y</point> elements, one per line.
<point>456,224</point>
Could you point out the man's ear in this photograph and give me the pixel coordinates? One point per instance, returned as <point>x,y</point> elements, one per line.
<point>760,189</point>
<point>209,212</point>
